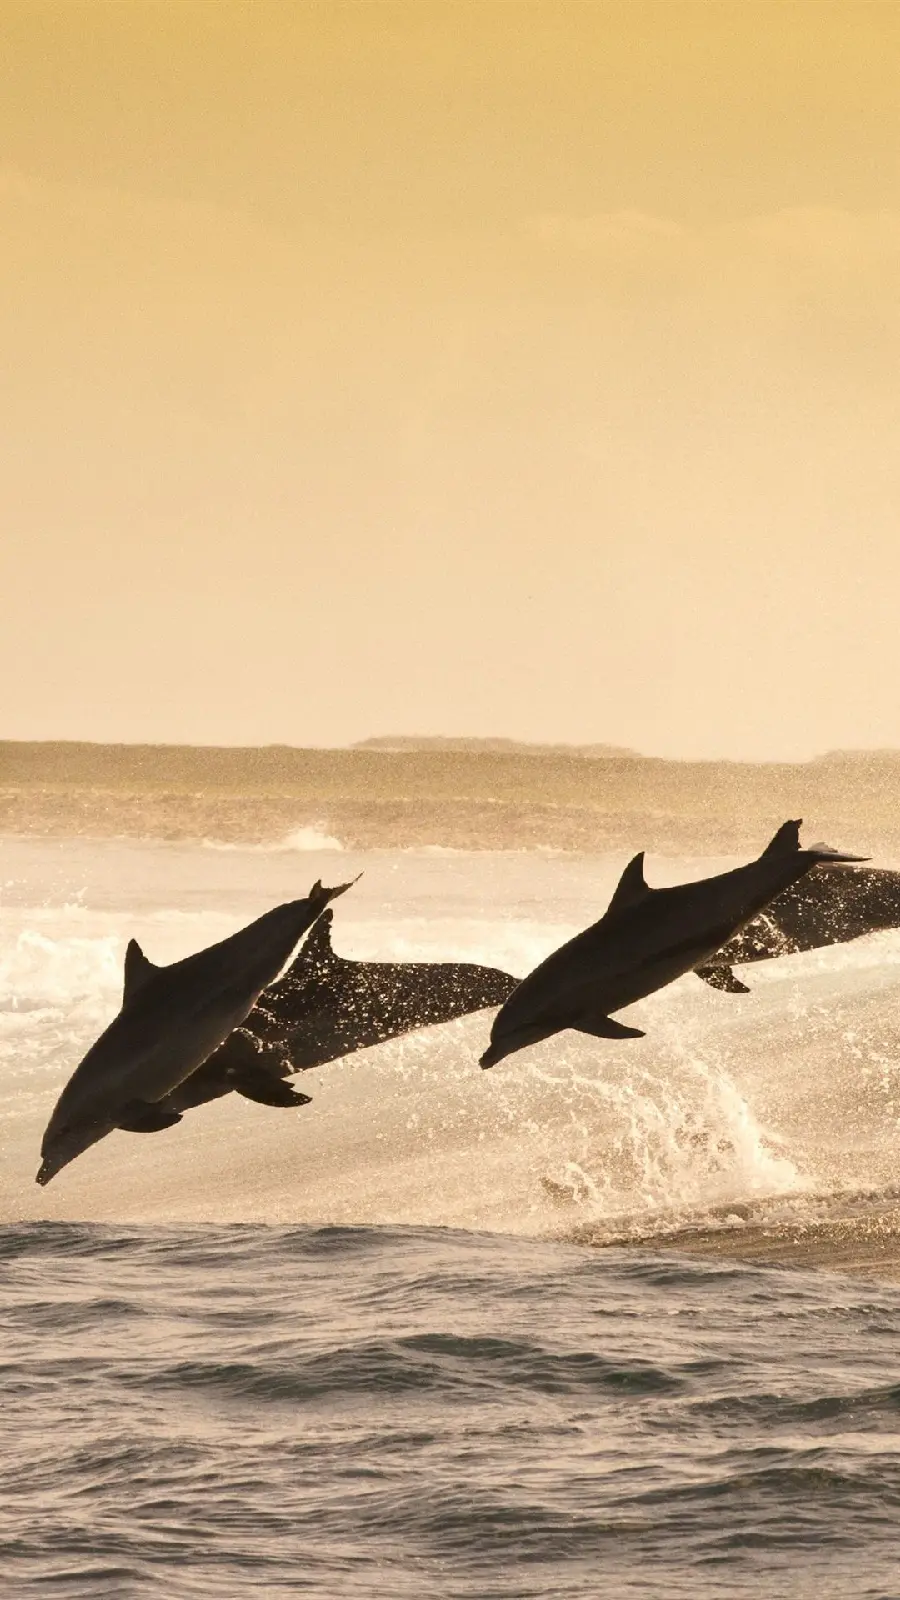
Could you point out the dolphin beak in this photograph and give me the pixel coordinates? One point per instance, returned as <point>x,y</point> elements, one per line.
<point>46,1172</point>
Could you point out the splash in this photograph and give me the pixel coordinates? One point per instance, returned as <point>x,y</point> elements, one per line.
<point>728,1104</point>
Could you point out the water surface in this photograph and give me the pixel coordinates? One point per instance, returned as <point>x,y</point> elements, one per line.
<point>443,1332</point>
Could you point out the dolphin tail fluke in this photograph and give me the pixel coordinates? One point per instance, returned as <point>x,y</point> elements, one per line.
<point>607,1028</point>
<point>825,856</point>
<point>722,978</point>
<point>786,842</point>
<point>320,896</point>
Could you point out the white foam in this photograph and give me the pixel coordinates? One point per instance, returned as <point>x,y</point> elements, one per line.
<point>312,838</point>
<point>308,840</point>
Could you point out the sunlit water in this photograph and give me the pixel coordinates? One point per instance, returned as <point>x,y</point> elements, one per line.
<point>372,1348</point>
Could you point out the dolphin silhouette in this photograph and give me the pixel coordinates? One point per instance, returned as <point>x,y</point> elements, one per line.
<point>325,1007</point>
<point>647,938</point>
<point>172,1019</point>
<point>831,906</point>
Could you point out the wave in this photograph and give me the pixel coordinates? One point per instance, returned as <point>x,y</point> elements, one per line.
<point>547,851</point>
<point>403,1404</point>
<point>308,839</point>
<point>857,1231</point>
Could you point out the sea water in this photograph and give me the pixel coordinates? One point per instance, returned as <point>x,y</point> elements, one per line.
<point>445,1332</point>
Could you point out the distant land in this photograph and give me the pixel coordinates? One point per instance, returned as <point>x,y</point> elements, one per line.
<point>498,747</point>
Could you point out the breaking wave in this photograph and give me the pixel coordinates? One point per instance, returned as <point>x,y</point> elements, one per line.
<point>311,838</point>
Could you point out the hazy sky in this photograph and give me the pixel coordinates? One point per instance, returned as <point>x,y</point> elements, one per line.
<point>487,368</point>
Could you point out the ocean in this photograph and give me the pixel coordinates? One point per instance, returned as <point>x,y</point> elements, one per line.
<point>612,1319</point>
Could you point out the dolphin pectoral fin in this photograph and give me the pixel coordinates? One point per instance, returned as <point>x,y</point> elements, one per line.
<point>606,1028</point>
<point>142,1116</point>
<point>267,1090</point>
<point>722,978</point>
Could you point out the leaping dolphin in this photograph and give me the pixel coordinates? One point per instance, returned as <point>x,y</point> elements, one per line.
<point>325,1007</point>
<point>172,1019</point>
<point>833,906</point>
<point>647,938</point>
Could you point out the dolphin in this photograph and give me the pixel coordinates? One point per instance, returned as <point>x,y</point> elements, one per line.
<point>325,1007</point>
<point>832,906</point>
<point>647,938</point>
<point>172,1019</point>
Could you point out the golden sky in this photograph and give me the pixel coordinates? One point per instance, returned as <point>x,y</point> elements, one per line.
<point>488,368</point>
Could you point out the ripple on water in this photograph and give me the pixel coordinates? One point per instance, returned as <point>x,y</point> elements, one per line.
<point>413,1412</point>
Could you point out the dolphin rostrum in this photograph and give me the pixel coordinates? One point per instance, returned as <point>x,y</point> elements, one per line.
<point>647,938</point>
<point>172,1019</point>
<point>325,1007</point>
<point>832,906</point>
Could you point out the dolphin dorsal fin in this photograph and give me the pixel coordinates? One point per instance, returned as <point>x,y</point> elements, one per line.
<point>632,887</point>
<point>137,970</point>
<point>315,958</point>
<point>786,841</point>
<point>317,951</point>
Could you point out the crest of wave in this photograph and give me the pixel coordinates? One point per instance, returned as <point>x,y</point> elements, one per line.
<point>310,839</point>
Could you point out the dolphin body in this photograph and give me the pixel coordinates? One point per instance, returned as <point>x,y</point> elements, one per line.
<point>647,938</point>
<point>325,1007</point>
<point>172,1019</point>
<point>832,906</point>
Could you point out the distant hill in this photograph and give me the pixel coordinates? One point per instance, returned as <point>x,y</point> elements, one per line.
<point>438,743</point>
<point>885,753</point>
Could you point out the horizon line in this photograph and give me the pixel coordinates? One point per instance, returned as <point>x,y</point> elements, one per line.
<point>495,744</point>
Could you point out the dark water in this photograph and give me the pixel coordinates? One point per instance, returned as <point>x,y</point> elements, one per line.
<point>393,1412</point>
